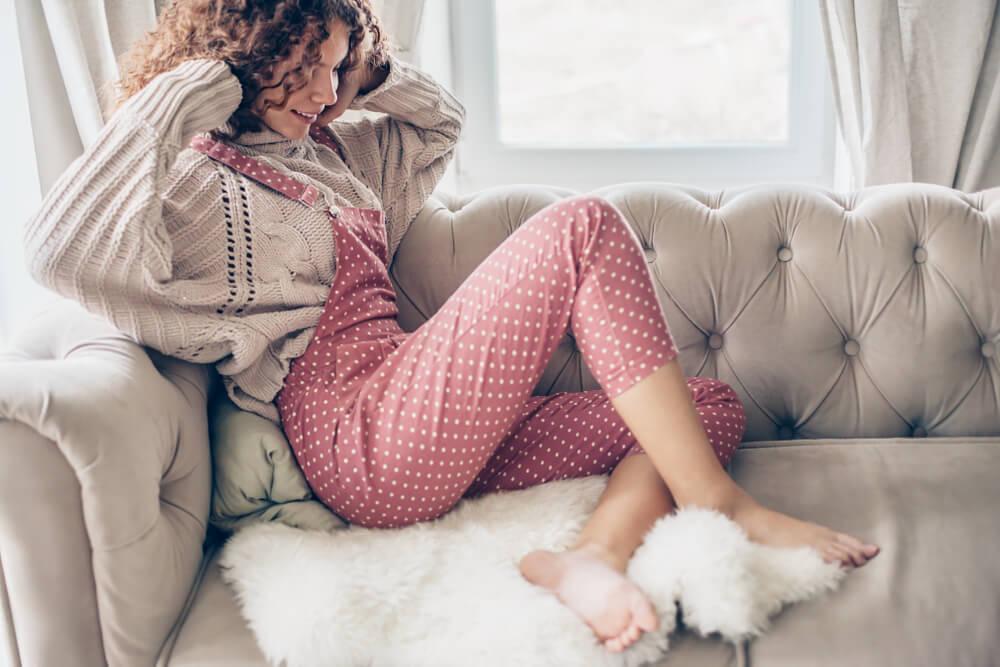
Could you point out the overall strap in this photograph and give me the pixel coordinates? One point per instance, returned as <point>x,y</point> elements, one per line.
<point>256,170</point>
<point>322,135</point>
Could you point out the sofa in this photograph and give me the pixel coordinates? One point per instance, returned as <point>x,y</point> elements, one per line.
<point>860,329</point>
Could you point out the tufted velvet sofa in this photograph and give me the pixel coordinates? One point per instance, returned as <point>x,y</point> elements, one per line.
<point>860,329</point>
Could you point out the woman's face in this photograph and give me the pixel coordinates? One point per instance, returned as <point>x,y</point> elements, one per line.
<point>320,90</point>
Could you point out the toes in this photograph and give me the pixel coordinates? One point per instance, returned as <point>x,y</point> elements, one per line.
<point>854,549</point>
<point>644,615</point>
<point>625,639</point>
<point>834,553</point>
<point>846,554</point>
<point>865,549</point>
<point>848,540</point>
<point>852,558</point>
<point>614,644</point>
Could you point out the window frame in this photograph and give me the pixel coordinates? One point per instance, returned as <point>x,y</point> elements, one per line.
<point>807,157</point>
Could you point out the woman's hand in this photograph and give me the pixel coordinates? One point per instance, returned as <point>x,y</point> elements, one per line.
<point>361,79</point>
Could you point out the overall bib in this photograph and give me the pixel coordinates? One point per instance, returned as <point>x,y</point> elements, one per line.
<point>391,428</point>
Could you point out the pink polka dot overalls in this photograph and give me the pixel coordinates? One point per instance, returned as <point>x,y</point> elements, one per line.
<point>391,428</point>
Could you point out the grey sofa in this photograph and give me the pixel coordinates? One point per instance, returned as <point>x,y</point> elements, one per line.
<point>861,330</point>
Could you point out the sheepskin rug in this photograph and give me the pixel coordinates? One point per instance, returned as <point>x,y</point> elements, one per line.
<point>449,592</point>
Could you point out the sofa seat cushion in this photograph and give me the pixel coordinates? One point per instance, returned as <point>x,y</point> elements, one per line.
<point>930,597</point>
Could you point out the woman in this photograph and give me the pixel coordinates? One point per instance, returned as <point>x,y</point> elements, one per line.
<point>225,216</point>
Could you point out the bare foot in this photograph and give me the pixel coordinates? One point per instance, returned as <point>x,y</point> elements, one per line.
<point>773,528</point>
<point>589,581</point>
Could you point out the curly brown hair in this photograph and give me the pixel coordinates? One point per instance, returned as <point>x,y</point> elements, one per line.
<point>252,37</point>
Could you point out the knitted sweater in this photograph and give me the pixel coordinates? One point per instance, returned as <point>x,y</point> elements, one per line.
<point>198,262</point>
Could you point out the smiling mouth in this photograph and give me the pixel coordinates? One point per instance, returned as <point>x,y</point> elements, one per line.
<point>306,116</point>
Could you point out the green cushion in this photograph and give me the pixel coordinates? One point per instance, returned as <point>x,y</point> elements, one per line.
<point>256,476</point>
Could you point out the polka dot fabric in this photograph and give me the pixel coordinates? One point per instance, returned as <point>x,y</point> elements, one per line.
<point>577,434</point>
<point>391,428</point>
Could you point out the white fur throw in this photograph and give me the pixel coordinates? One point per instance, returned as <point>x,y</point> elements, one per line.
<point>449,592</point>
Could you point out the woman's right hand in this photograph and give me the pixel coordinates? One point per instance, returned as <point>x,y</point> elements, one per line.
<point>359,80</point>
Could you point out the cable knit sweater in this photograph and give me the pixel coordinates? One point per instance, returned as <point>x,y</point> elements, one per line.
<point>193,259</point>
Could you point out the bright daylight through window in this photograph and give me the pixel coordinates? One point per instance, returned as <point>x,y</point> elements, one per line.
<point>632,73</point>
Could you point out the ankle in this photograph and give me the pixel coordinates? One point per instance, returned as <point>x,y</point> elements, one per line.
<point>726,497</point>
<point>603,551</point>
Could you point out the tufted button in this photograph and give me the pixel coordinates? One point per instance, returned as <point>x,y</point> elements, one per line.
<point>786,432</point>
<point>988,349</point>
<point>919,432</point>
<point>852,347</point>
<point>785,254</point>
<point>650,255</point>
<point>715,341</point>
<point>920,255</point>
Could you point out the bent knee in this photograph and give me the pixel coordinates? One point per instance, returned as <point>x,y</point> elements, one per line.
<point>718,398</point>
<point>714,391</point>
<point>594,208</point>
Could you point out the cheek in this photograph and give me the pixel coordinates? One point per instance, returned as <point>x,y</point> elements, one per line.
<point>275,96</point>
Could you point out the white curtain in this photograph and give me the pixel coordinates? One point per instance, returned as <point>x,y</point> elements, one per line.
<point>916,84</point>
<point>402,19</point>
<point>65,50</point>
<point>68,51</point>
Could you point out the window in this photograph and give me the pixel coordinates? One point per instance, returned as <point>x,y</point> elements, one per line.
<point>588,93</point>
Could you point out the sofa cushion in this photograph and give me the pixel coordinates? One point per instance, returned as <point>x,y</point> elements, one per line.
<point>930,596</point>
<point>256,475</point>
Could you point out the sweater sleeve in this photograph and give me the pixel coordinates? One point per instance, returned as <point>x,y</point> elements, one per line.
<point>403,154</point>
<point>100,235</point>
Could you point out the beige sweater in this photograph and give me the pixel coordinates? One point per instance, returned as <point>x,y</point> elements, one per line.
<point>193,259</point>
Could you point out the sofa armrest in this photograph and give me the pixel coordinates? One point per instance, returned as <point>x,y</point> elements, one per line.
<point>105,482</point>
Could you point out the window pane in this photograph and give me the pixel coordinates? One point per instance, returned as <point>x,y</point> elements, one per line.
<point>589,73</point>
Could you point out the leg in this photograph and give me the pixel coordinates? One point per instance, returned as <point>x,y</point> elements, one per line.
<point>636,487</point>
<point>635,490</point>
<point>576,434</point>
<point>430,416</point>
<point>659,412</point>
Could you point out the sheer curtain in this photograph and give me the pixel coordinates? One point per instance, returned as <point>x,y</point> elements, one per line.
<point>67,52</point>
<point>64,51</point>
<point>917,92</point>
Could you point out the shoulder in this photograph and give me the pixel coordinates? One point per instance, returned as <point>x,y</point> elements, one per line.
<point>192,171</point>
<point>360,133</point>
<point>194,187</point>
<point>360,142</point>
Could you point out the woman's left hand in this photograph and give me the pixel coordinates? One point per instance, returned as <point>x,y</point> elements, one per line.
<point>361,79</point>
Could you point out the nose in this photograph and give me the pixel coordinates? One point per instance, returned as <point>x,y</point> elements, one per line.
<point>325,89</point>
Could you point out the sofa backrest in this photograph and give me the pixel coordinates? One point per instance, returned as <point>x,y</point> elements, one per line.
<point>873,313</point>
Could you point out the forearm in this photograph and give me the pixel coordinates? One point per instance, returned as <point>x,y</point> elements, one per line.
<point>405,93</point>
<point>81,231</point>
<point>403,153</point>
